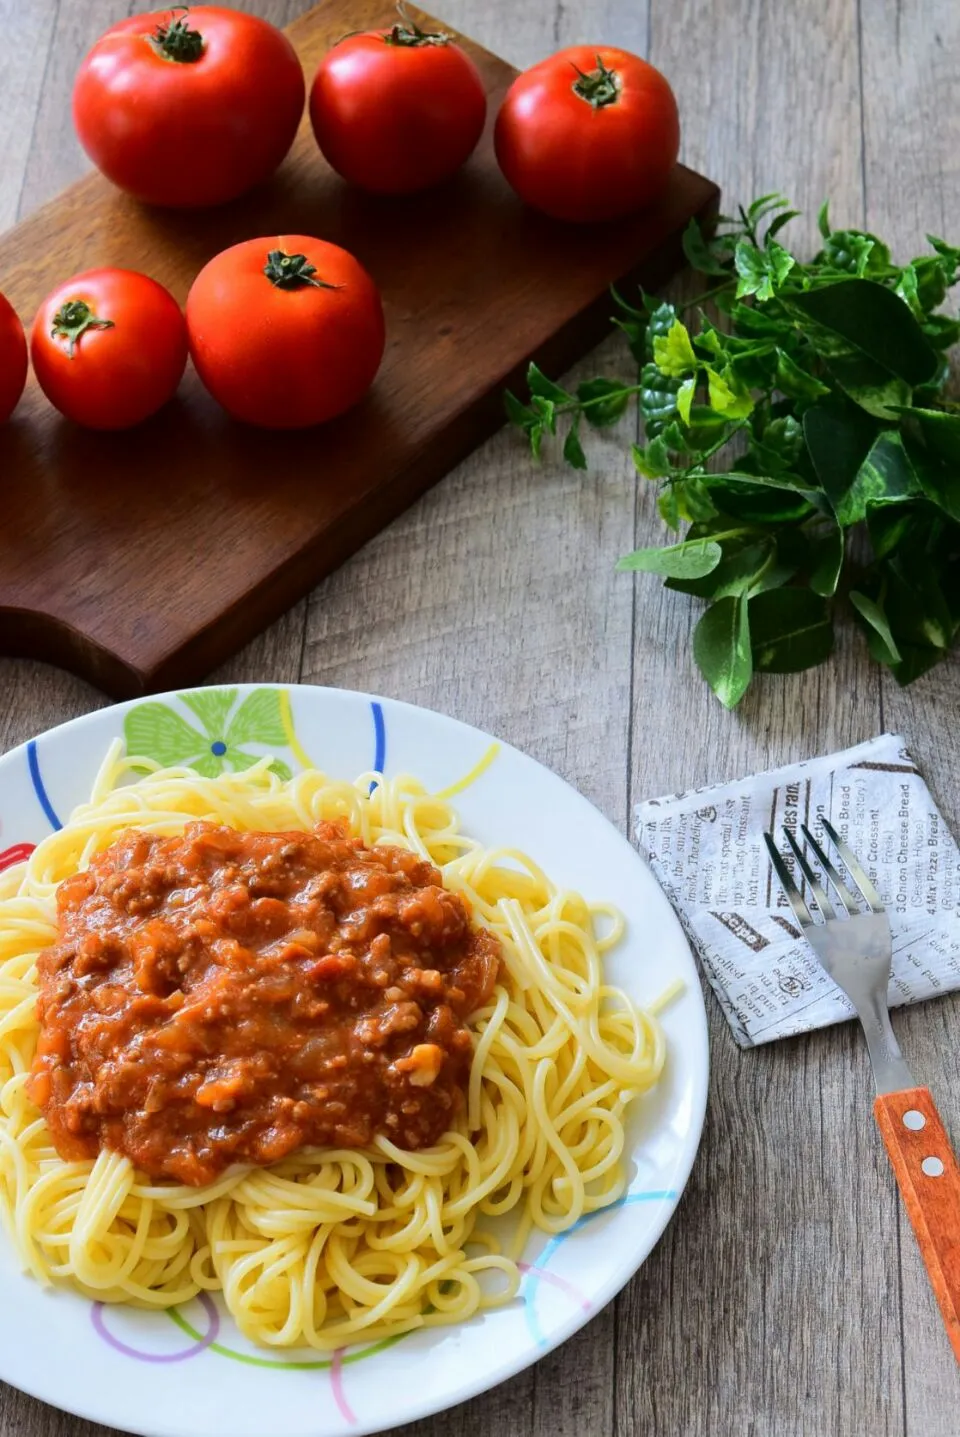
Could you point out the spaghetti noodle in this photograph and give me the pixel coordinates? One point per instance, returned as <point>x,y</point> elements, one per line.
<point>327,1247</point>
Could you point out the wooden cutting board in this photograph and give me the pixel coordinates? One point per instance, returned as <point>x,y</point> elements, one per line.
<point>141,560</point>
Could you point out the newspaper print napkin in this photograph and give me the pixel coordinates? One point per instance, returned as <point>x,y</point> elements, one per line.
<point>706,849</point>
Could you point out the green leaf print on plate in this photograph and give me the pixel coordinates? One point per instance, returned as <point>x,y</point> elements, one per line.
<point>155,730</point>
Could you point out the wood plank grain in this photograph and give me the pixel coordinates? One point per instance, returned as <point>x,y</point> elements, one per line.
<point>779,1278</point>
<point>23,62</point>
<point>911,71</point>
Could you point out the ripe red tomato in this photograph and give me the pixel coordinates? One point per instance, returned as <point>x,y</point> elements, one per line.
<point>13,359</point>
<point>286,331</point>
<point>109,347</point>
<point>189,108</point>
<point>592,133</point>
<point>395,111</point>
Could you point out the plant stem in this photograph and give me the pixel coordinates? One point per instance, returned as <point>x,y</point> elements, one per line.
<point>581,404</point>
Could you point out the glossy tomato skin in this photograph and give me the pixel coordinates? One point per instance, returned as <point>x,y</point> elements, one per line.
<point>192,132</point>
<point>580,161</point>
<point>13,359</point>
<point>285,358</point>
<point>393,118</point>
<point>117,375</point>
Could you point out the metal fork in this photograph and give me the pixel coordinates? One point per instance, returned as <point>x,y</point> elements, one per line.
<point>855,949</point>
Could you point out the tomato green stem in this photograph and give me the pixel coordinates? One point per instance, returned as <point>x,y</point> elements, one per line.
<point>601,87</point>
<point>408,35</point>
<point>73,319</point>
<point>291,271</point>
<point>176,41</point>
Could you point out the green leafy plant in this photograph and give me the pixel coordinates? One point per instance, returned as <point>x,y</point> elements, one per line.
<point>812,412</point>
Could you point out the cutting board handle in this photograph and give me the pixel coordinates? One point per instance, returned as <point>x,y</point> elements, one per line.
<point>929,1180</point>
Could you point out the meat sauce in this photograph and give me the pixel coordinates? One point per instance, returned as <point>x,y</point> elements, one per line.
<point>225,997</point>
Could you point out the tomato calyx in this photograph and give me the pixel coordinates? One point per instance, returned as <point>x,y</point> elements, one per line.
<point>73,319</point>
<point>407,35</point>
<point>292,271</point>
<point>599,87</point>
<point>176,41</point>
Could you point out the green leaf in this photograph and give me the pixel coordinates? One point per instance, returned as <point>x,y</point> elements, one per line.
<point>603,400</point>
<point>790,630</point>
<point>796,382</point>
<point>635,334</point>
<point>662,319</point>
<point>658,399</point>
<point>539,384</point>
<point>699,253</point>
<point>781,221</point>
<point>631,309</point>
<point>753,322</point>
<point>879,393</point>
<point>546,412</point>
<point>853,252</point>
<point>859,316</point>
<point>689,560</point>
<point>931,282</point>
<point>694,500</point>
<point>888,526</point>
<point>823,219</point>
<point>950,254</point>
<point>721,649</point>
<point>653,462</point>
<point>685,399</point>
<point>727,395</point>
<point>916,605</point>
<point>760,498</point>
<point>517,413</point>
<point>939,479</point>
<point>746,560</point>
<point>915,662</point>
<point>258,720</point>
<point>211,707</point>
<point>761,271</point>
<point>153,730</point>
<point>886,476</point>
<point>685,500</point>
<point>907,290</point>
<point>879,638</point>
<point>827,555</point>
<point>764,205</point>
<point>779,447</point>
<point>941,330</point>
<point>673,353</point>
<point>940,431</point>
<point>677,438</point>
<point>573,449</point>
<point>839,438</point>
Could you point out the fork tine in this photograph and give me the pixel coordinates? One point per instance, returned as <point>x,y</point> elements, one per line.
<point>830,871</point>
<point>820,897</point>
<point>795,897</point>
<point>853,867</point>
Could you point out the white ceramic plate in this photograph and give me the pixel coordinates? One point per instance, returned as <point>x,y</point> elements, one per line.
<point>189,1373</point>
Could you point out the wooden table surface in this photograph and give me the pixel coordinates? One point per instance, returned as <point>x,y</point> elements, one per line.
<point>787,1296</point>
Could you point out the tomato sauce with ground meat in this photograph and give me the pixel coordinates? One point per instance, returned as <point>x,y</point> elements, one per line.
<point>224,997</point>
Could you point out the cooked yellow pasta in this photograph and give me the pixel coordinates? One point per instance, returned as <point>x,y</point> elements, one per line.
<point>330,1247</point>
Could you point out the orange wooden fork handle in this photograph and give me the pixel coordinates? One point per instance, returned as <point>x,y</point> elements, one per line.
<point>929,1179</point>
